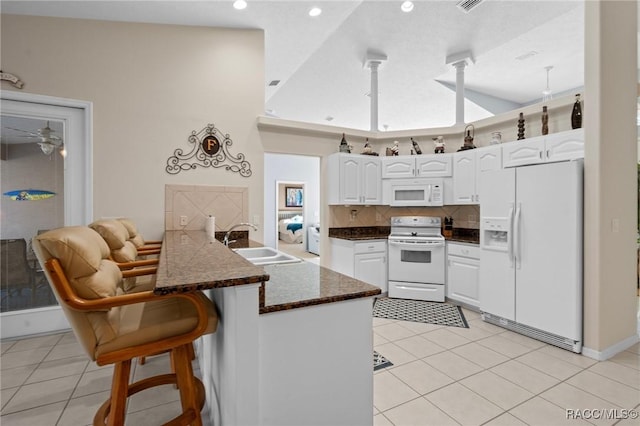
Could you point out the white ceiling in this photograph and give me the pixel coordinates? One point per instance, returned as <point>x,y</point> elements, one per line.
<point>319,61</point>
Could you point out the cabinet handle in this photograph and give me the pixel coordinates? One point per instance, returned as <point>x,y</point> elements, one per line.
<point>540,155</point>
<point>547,153</point>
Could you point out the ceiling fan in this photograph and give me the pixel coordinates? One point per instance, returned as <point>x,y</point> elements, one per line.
<point>48,140</point>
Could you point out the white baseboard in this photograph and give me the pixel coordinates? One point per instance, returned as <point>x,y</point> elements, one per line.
<point>611,350</point>
<point>32,322</point>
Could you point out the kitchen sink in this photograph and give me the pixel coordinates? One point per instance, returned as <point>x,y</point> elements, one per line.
<point>265,255</point>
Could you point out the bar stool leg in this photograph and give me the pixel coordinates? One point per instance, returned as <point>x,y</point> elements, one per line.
<point>186,382</point>
<point>119,392</point>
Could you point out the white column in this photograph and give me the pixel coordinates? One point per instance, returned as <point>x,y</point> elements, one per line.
<point>373,65</point>
<point>460,65</point>
<point>610,299</point>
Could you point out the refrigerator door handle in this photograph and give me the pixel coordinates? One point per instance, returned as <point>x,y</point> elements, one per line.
<point>516,236</point>
<point>510,237</point>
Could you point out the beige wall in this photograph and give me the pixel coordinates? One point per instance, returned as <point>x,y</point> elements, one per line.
<point>151,85</point>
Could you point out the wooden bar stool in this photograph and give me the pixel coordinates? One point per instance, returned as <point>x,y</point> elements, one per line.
<point>114,327</point>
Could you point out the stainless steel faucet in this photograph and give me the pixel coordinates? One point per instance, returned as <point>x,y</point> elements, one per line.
<point>226,236</point>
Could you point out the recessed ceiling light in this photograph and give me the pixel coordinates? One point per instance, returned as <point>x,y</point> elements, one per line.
<point>315,11</point>
<point>240,4</point>
<point>407,6</point>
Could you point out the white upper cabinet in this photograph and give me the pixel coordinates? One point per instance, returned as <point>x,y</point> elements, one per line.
<point>371,184</point>
<point>489,158</point>
<point>404,166</point>
<point>398,166</point>
<point>354,179</point>
<point>523,152</point>
<point>561,146</point>
<point>467,166</point>
<point>464,177</point>
<point>565,145</point>
<point>434,165</point>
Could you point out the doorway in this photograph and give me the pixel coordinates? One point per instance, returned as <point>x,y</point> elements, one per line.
<point>46,183</point>
<point>291,200</point>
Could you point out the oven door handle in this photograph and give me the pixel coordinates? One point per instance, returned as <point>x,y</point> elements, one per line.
<point>416,244</point>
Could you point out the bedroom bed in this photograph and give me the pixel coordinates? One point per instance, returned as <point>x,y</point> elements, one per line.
<point>290,227</point>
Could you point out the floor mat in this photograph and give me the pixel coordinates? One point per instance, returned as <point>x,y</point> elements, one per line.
<point>419,311</point>
<point>380,362</point>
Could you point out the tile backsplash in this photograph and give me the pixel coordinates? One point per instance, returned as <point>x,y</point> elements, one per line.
<point>228,204</point>
<point>466,216</point>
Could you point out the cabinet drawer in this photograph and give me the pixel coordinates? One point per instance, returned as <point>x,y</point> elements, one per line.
<point>370,246</point>
<point>463,250</point>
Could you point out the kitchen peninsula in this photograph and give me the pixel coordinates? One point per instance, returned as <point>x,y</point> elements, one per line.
<point>294,342</point>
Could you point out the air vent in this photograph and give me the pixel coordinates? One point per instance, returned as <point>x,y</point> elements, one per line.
<point>467,5</point>
<point>527,55</point>
<point>274,82</point>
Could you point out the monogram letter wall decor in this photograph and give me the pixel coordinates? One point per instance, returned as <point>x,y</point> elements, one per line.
<point>209,148</point>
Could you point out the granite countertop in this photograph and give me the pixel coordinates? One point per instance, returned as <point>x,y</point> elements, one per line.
<point>190,260</point>
<point>465,235</point>
<point>296,285</point>
<point>357,233</point>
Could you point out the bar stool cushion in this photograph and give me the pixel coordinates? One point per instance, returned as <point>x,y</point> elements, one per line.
<point>134,235</point>
<point>117,238</point>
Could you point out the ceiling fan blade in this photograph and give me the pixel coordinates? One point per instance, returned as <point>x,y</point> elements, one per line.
<point>24,131</point>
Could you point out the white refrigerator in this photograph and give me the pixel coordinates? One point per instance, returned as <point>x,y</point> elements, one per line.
<point>531,251</point>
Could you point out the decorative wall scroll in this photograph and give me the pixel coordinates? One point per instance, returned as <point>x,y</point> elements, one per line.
<point>15,81</point>
<point>210,148</point>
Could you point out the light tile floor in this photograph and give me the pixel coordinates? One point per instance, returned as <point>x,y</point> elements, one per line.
<point>441,376</point>
<point>486,375</point>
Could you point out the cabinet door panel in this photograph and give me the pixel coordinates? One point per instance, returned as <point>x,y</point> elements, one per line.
<point>565,146</point>
<point>371,268</point>
<point>464,177</point>
<point>398,167</point>
<point>462,282</point>
<point>521,153</point>
<point>436,165</point>
<point>350,180</point>
<point>489,158</point>
<point>371,184</point>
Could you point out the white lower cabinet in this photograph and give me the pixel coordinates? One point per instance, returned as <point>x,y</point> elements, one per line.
<point>463,273</point>
<point>363,260</point>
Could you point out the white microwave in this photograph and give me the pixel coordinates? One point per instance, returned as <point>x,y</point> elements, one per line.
<point>419,192</point>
